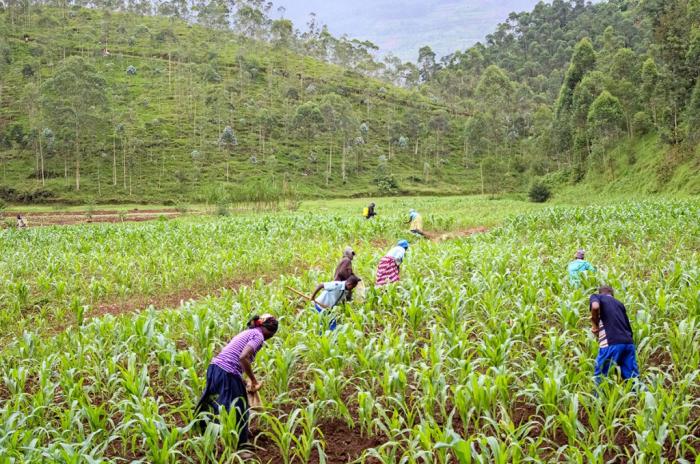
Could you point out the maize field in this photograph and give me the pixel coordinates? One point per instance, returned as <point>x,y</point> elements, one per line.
<point>482,353</point>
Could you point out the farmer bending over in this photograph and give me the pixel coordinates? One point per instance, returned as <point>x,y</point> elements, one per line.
<point>609,321</point>
<point>578,266</point>
<point>334,293</point>
<point>415,222</point>
<point>225,385</point>
<point>20,222</point>
<point>344,269</point>
<point>368,212</point>
<point>389,266</point>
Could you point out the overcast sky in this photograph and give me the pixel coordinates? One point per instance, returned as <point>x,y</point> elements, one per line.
<point>402,27</point>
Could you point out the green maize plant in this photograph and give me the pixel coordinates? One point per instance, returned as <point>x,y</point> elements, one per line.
<point>481,352</point>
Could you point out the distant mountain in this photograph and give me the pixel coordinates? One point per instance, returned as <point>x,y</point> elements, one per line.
<point>403,27</point>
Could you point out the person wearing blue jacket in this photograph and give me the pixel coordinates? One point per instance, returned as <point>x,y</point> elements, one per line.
<point>577,267</point>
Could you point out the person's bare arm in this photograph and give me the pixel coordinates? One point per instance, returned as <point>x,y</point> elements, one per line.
<point>318,289</point>
<point>248,368</point>
<point>595,317</point>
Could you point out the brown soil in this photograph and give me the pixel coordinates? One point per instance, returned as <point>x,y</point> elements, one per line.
<point>48,218</point>
<point>441,237</point>
<point>171,300</point>
<point>342,444</point>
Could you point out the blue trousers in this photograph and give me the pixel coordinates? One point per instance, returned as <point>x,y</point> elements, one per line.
<point>623,355</point>
<point>224,389</point>
<point>332,324</point>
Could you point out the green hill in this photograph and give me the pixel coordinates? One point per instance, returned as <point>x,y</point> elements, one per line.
<point>165,92</point>
<point>116,104</point>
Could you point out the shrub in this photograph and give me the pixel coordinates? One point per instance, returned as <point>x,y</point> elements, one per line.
<point>641,123</point>
<point>387,184</point>
<point>539,192</point>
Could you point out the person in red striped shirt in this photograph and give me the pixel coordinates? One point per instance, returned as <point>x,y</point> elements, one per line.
<point>225,386</point>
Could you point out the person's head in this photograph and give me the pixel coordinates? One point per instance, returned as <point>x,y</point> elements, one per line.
<point>352,282</point>
<point>267,324</point>
<point>606,290</point>
<point>580,253</point>
<point>403,244</point>
<point>19,217</point>
<point>372,205</point>
<point>349,252</point>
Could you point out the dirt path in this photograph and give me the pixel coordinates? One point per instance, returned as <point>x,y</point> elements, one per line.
<point>49,218</point>
<point>174,300</point>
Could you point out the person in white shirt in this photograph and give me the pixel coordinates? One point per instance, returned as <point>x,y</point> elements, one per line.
<point>333,293</point>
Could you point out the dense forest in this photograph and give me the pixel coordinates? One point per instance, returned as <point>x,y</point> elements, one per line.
<point>199,101</point>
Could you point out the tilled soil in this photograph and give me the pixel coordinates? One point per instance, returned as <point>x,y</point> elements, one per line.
<point>342,444</point>
<point>50,218</point>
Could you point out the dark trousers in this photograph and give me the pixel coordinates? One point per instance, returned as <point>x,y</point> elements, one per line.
<point>623,355</point>
<point>226,389</point>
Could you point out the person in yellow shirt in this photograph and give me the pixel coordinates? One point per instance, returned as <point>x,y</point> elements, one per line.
<point>415,223</point>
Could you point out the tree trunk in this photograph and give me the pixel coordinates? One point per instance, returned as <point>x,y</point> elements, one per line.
<point>330,164</point>
<point>41,160</point>
<point>124,162</point>
<point>114,160</point>
<point>466,154</point>
<point>343,163</point>
<point>481,168</point>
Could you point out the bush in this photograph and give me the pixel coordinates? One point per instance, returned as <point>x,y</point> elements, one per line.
<point>641,123</point>
<point>539,192</point>
<point>387,184</point>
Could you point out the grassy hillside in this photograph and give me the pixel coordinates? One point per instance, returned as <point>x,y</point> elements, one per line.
<point>641,166</point>
<point>158,137</point>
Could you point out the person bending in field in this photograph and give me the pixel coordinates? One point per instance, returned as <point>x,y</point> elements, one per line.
<point>415,222</point>
<point>344,269</point>
<point>333,294</point>
<point>369,212</point>
<point>611,325</point>
<point>20,222</point>
<point>578,266</point>
<point>389,267</point>
<point>225,386</point>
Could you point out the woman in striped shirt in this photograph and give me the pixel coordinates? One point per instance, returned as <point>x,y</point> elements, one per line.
<point>225,385</point>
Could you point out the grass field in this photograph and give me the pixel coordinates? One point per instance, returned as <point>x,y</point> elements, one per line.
<point>481,353</point>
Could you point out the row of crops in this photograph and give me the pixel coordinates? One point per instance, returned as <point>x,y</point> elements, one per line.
<point>481,353</point>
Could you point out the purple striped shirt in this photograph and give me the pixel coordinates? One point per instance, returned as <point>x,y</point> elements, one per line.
<point>229,359</point>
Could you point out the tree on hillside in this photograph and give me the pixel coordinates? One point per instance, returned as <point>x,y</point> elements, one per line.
<point>439,124</point>
<point>494,96</point>
<point>692,123</point>
<point>214,13</point>
<point>427,65</point>
<point>624,70</point>
<point>228,142</point>
<point>282,31</point>
<point>74,100</point>
<point>414,128</point>
<point>590,87</point>
<point>649,87</point>
<point>251,18</point>
<point>582,61</point>
<point>606,121</point>
<point>340,119</point>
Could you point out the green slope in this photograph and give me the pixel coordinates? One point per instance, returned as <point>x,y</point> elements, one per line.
<point>190,83</point>
<point>640,167</point>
